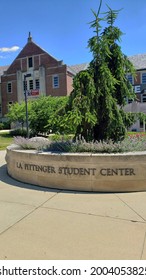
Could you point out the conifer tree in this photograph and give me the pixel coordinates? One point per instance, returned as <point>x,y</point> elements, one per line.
<point>109,67</point>
<point>108,82</point>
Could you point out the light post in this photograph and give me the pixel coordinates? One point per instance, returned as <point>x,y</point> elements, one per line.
<point>26,107</point>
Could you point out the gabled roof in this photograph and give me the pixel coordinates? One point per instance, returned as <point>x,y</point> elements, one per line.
<point>139,61</point>
<point>30,49</point>
<point>2,69</point>
<point>79,67</point>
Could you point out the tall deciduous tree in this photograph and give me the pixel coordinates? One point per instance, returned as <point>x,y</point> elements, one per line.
<point>17,113</point>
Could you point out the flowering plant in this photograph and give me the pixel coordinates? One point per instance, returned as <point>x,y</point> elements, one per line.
<point>131,143</point>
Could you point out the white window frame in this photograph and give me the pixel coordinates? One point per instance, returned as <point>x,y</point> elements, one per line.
<point>31,84</point>
<point>55,82</point>
<point>143,80</point>
<point>37,83</point>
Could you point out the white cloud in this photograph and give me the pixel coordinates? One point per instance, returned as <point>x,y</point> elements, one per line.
<point>11,49</point>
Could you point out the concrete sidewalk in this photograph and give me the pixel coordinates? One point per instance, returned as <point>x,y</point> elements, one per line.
<point>40,223</point>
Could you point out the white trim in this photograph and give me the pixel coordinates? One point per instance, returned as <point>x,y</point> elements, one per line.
<point>55,83</point>
<point>143,72</point>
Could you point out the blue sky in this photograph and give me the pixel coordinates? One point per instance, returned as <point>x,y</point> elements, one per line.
<point>61,27</point>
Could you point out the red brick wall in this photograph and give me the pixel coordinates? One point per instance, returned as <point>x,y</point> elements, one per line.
<point>40,58</point>
<point>36,62</point>
<point>7,97</point>
<point>46,60</point>
<point>69,83</point>
<point>61,72</point>
<point>16,65</point>
<point>137,79</point>
<point>24,64</point>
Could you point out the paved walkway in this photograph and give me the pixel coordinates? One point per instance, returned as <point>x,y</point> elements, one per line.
<point>40,223</point>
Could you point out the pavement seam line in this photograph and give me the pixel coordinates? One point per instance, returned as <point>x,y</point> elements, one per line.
<point>16,202</point>
<point>130,208</point>
<point>143,246</point>
<point>39,206</point>
<point>91,214</point>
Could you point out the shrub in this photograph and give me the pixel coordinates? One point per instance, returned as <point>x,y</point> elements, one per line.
<point>37,143</point>
<point>20,132</point>
<point>59,137</point>
<point>130,144</point>
<point>1,126</point>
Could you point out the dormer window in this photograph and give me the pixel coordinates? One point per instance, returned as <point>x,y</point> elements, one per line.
<point>30,62</point>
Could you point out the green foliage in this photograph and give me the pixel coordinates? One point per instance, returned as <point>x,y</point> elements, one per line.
<point>17,113</point>
<point>20,132</point>
<point>1,126</point>
<point>60,137</point>
<point>96,104</point>
<point>46,114</point>
<point>81,112</point>
<point>5,140</point>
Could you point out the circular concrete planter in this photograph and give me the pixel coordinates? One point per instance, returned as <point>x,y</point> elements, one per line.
<point>82,172</point>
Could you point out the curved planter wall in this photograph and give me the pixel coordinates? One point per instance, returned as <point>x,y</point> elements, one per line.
<point>85,172</point>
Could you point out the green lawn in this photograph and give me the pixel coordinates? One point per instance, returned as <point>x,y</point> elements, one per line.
<point>5,140</point>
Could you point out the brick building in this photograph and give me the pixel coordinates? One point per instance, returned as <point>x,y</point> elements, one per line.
<point>47,76</point>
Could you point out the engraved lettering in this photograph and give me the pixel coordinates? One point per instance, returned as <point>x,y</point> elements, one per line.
<point>19,165</point>
<point>103,172</point>
<point>76,171</point>
<point>117,172</point>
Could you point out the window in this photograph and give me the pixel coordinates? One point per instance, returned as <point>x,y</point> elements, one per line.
<point>0,108</point>
<point>130,78</point>
<point>56,81</point>
<point>130,101</point>
<point>37,84</point>
<point>144,97</point>
<point>144,78</point>
<point>30,84</point>
<point>10,103</point>
<point>24,85</point>
<point>9,87</point>
<point>30,62</point>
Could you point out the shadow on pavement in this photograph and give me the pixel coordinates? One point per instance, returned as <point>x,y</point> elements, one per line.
<point>5,178</point>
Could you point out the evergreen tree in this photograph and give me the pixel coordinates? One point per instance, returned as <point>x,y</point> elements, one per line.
<point>81,111</point>
<point>109,67</point>
<point>108,87</point>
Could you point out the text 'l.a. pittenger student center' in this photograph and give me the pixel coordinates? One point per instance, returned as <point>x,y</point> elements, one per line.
<point>40,73</point>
